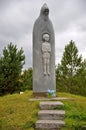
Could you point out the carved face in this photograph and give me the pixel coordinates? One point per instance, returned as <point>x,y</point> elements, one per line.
<point>46,37</point>
<point>46,12</point>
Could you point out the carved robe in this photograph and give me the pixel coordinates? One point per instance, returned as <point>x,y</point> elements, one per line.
<point>43,25</point>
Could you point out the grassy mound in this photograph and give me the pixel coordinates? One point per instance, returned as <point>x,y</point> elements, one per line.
<point>18,113</point>
<point>75,111</point>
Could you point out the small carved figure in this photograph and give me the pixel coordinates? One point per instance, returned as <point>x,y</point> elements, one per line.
<point>46,50</point>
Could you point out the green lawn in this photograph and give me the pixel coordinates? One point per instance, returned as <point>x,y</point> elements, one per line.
<point>18,113</point>
<point>75,111</point>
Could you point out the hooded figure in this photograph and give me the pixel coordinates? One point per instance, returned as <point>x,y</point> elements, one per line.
<point>43,25</point>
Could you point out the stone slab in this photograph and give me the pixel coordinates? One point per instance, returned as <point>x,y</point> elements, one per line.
<point>51,114</point>
<point>40,98</point>
<point>49,124</point>
<point>47,105</point>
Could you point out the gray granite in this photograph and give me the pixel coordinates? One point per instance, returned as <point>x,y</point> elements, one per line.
<point>43,69</point>
<point>50,99</point>
<point>51,114</point>
<point>49,124</point>
<point>47,105</point>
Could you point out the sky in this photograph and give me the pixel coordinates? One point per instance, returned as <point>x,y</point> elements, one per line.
<point>17,19</point>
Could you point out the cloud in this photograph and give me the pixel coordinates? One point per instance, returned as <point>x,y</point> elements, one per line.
<point>17,19</point>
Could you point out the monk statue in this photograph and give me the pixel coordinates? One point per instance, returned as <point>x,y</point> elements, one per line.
<point>43,54</point>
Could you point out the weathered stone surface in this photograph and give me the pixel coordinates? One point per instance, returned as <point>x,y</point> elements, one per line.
<point>51,115</point>
<point>40,98</point>
<point>84,128</point>
<point>49,124</point>
<point>42,80</point>
<point>49,105</point>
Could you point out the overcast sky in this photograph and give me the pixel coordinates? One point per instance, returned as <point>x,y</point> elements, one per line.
<point>17,18</point>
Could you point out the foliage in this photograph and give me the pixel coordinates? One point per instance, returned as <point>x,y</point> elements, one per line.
<point>17,112</point>
<point>75,111</point>
<point>80,79</point>
<point>11,64</point>
<point>26,80</point>
<point>69,73</point>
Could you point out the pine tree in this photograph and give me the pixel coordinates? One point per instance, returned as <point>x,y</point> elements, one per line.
<point>70,64</point>
<point>11,64</point>
<point>81,79</point>
<point>26,79</point>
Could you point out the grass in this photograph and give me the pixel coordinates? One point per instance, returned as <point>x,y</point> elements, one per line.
<point>75,111</point>
<point>18,113</point>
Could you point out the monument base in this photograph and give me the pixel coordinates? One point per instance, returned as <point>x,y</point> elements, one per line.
<point>40,94</point>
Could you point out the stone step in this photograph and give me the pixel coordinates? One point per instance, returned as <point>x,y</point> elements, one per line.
<point>49,124</point>
<point>50,105</point>
<point>51,114</point>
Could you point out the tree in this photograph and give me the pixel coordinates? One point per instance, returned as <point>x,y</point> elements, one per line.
<point>11,64</point>
<point>81,79</point>
<point>26,80</point>
<point>70,64</point>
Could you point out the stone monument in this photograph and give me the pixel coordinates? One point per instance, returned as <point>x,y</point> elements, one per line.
<point>43,54</point>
